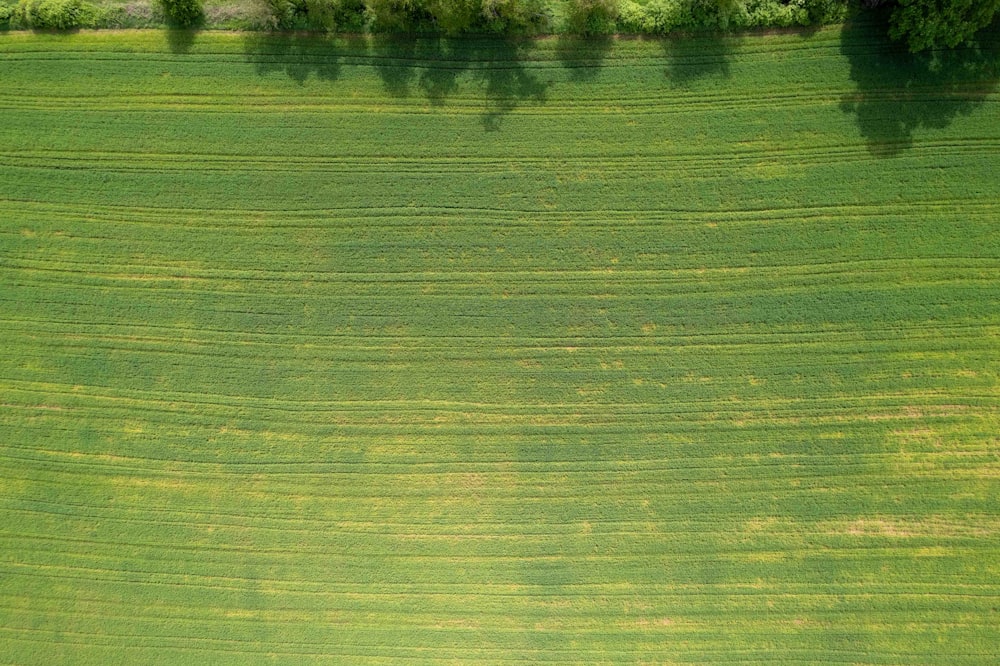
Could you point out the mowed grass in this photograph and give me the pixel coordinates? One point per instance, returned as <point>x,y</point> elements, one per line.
<point>351,351</point>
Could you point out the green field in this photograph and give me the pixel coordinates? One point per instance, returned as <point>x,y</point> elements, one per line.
<point>425,352</point>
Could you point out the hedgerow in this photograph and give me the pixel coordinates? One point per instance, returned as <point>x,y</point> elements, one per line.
<point>52,14</point>
<point>922,24</point>
<point>516,17</point>
<point>321,15</point>
<point>397,16</point>
<point>536,16</point>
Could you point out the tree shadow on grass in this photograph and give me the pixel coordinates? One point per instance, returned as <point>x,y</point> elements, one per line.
<point>506,81</point>
<point>297,55</point>
<point>899,92</point>
<point>408,64</point>
<point>181,40</point>
<point>691,58</point>
<point>583,56</point>
<point>435,67</point>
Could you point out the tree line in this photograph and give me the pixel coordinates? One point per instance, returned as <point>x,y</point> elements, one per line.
<point>921,24</point>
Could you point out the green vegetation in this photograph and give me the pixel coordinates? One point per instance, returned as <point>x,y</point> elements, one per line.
<point>592,17</point>
<point>928,24</point>
<point>50,14</point>
<point>182,13</point>
<point>453,17</point>
<point>922,24</point>
<point>479,351</point>
<point>520,17</point>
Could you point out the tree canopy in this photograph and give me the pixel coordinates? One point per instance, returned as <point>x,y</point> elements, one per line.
<point>929,24</point>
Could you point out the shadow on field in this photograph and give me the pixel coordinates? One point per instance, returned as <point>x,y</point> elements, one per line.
<point>434,67</point>
<point>412,65</point>
<point>583,56</point>
<point>691,58</point>
<point>181,40</point>
<point>899,92</point>
<point>297,55</point>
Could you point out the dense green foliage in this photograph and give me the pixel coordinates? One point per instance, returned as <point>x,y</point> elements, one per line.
<point>922,24</point>
<point>182,13</point>
<point>592,17</point>
<point>597,16</point>
<point>50,14</point>
<point>425,352</point>
<point>323,15</point>
<point>928,24</point>
<point>453,17</point>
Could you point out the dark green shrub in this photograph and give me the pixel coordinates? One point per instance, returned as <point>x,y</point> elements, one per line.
<point>515,17</point>
<point>713,14</point>
<point>929,24</point>
<point>454,17</point>
<point>826,11</point>
<point>330,15</point>
<point>592,17</point>
<point>326,15</point>
<point>397,15</point>
<point>182,13</point>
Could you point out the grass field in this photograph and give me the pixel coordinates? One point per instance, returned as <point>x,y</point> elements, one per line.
<point>498,352</point>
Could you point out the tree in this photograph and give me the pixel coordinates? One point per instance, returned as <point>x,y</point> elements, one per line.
<point>454,17</point>
<point>182,13</point>
<point>515,17</point>
<point>592,17</point>
<point>396,15</point>
<point>929,24</point>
